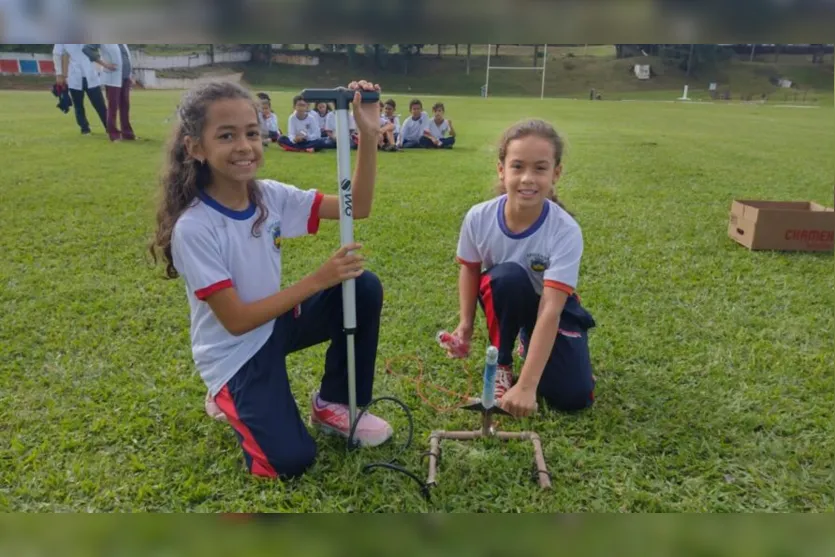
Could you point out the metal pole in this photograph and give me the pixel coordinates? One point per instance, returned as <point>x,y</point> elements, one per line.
<point>342,98</point>
<point>346,236</point>
<point>544,62</point>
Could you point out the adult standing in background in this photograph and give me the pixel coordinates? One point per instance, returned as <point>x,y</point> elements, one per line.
<point>72,68</point>
<point>117,78</point>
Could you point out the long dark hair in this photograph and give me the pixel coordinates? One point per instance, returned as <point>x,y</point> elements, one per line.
<point>537,128</point>
<point>183,176</point>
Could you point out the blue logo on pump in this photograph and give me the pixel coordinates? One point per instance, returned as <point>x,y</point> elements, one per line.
<point>348,197</point>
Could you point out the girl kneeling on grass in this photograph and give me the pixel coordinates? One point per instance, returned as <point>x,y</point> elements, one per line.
<point>221,230</point>
<point>520,258</point>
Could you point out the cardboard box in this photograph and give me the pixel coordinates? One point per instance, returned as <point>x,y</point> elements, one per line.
<point>782,225</point>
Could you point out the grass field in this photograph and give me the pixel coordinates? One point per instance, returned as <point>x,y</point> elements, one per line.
<point>714,363</point>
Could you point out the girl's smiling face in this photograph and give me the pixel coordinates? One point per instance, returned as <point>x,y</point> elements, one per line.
<point>231,141</point>
<point>529,171</point>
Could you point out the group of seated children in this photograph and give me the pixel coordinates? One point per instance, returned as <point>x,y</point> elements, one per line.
<point>312,131</point>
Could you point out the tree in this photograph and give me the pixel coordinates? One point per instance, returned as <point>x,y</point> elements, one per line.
<point>261,53</point>
<point>818,52</point>
<point>469,53</point>
<point>690,57</point>
<point>379,53</point>
<point>407,50</point>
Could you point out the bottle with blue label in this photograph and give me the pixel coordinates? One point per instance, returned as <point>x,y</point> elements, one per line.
<point>488,394</point>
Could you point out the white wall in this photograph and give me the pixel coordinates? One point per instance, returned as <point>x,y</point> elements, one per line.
<point>24,56</point>
<point>149,80</point>
<point>145,61</point>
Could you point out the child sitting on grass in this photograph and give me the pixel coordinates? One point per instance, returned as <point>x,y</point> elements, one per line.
<point>389,126</point>
<point>438,128</point>
<point>303,132</point>
<point>325,116</point>
<point>415,127</point>
<point>268,121</point>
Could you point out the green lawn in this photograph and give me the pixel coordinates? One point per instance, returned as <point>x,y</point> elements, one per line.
<point>714,363</point>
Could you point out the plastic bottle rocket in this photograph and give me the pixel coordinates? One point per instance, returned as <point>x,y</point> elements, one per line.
<point>488,394</point>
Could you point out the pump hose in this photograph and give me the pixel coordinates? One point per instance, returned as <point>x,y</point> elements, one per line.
<point>393,463</point>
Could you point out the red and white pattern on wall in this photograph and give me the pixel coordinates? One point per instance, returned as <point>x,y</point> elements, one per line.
<point>12,63</point>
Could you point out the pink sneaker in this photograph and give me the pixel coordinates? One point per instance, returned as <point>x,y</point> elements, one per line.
<point>213,410</point>
<point>504,380</point>
<point>333,418</point>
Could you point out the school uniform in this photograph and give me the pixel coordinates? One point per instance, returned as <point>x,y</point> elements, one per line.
<point>515,269</point>
<point>439,132</point>
<point>117,83</point>
<point>330,126</point>
<point>81,78</point>
<point>411,131</point>
<point>269,127</point>
<point>213,248</point>
<point>322,122</point>
<point>308,128</point>
<point>385,121</point>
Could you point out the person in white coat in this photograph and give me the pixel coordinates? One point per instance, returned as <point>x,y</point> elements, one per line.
<point>74,70</point>
<point>117,77</point>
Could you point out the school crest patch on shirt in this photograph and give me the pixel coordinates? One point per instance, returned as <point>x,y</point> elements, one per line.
<point>537,262</point>
<point>275,232</point>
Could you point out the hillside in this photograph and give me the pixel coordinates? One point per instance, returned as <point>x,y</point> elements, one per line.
<point>570,72</point>
<point>566,76</point>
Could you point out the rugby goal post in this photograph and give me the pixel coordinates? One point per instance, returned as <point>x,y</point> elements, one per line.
<point>486,91</point>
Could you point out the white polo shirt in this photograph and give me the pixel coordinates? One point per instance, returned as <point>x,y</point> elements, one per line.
<point>309,127</point>
<point>549,251</point>
<point>385,120</point>
<point>439,131</point>
<point>320,120</point>
<point>412,130</point>
<point>330,122</point>
<point>213,248</point>
<point>269,124</point>
<point>78,68</point>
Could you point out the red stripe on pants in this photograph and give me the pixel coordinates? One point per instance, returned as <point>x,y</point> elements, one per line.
<point>486,293</point>
<point>260,464</point>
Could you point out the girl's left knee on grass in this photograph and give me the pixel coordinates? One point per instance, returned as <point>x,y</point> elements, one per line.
<point>572,400</point>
